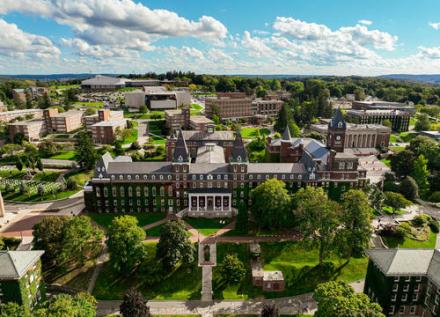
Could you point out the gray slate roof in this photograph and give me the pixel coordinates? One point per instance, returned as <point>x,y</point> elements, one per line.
<point>238,153</point>
<point>397,262</point>
<point>337,119</point>
<point>181,153</point>
<point>206,168</point>
<point>201,135</point>
<point>276,168</point>
<point>138,167</point>
<point>14,264</point>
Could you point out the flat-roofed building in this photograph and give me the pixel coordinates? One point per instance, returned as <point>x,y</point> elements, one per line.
<point>399,119</point>
<point>266,107</point>
<point>101,82</point>
<point>227,106</point>
<point>383,105</point>
<point>200,123</point>
<point>66,121</point>
<point>102,115</point>
<point>19,95</point>
<point>104,132</point>
<point>176,119</point>
<point>11,115</point>
<point>32,130</point>
<point>157,98</point>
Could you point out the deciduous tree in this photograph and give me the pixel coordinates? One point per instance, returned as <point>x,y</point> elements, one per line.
<point>134,304</point>
<point>126,243</point>
<point>271,204</point>
<point>232,270</point>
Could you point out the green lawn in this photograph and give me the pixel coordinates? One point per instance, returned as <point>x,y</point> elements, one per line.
<point>12,173</point>
<point>132,137</point>
<point>181,284</point>
<point>207,227</point>
<point>65,155</point>
<point>388,210</point>
<point>46,176</point>
<point>387,162</point>
<point>17,197</point>
<point>80,177</point>
<point>105,220</point>
<point>409,243</point>
<point>66,86</point>
<point>299,266</point>
<point>158,140</point>
<point>95,104</point>
<point>154,232</point>
<point>397,149</point>
<point>251,133</point>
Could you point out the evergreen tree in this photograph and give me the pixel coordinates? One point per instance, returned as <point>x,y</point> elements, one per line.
<point>420,173</point>
<point>134,304</point>
<point>87,154</point>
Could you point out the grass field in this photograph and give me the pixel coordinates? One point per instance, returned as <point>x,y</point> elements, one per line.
<point>207,227</point>
<point>17,197</point>
<point>415,238</point>
<point>80,177</point>
<point>387,162</point>
<point>65,87</point>
<point>65,155</point>
<point>12,173</point>
<point>181,284</point>
<point>388,210</point>
<point>46,176</point>
<point>105,220</point>
<point>132,137</point>
<point>251,133</point>
<point>299,266</point>
<point>154,232</point>
<point>94,104</point>
<point>397,149</point>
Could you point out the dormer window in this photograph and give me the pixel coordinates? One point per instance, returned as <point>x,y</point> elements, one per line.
<point>239,158</point>
<point>121,177</point>
<point>180,158</point>
<point>129,177</point>
<point>339,124</point>
<point>209,177</point>
<point>137,177</point>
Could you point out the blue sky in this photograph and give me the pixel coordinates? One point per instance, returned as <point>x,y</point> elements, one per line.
<point>339,37</point>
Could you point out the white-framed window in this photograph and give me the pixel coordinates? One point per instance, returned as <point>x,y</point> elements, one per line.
<point>412,309</point>
<point>393,297</point>
<point>415,297</point>
<point>137,177</point>
<point>406,287</point>
<point>418,279</point>
<point>401,309</point>
<point>121,177</point>
<point>161,177</point>
<point>408,279</point>
<point>145,177</point>
<point>404,297</point>
<point>395,287</point>
<point>396,278</point>
<point>129,177</point>
<point>391,311</point>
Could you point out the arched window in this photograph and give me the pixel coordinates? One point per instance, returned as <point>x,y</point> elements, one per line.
<point>130,191</point>
<point>162,191</point>
<point>121,191</point>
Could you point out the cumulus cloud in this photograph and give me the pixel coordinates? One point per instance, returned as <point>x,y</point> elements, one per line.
<point>217,55</point>
<point>256,46</point>
<point>429,52</point>
<point>300,29</point>
<point>15,42</point>
<point>365,22</point>
<point>435,25</point>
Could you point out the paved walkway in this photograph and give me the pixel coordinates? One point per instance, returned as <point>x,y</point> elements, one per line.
<point>103,257</point>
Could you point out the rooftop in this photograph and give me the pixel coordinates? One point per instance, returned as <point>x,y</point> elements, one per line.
<point>110,123</point>
<point>210,153</point>
<point>27,123</point>
<point>70,113</point>
<point>201,119</point>
<point>104,80</point>
<point>14,264</point>
<point>201,135</point>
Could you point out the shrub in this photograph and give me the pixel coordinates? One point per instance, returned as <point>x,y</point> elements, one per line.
<point>420,220</point>
<point>435,197</point>
<point>434,225</point>
<point>71,184</point>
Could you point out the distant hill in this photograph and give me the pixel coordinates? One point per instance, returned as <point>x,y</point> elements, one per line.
<point>432,79</point>
<point>50,77</point>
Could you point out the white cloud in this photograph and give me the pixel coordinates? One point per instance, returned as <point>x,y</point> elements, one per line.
<point>300,29</point>
<point>429,52</point>
<point>365,22</point>
<point>184,52</point>
<point>435,25</point>
<point>217,55</point>
<point>256,46</point>
<point>16,43</point>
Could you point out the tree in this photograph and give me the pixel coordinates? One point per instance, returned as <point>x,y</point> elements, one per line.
<point>396,201</point>
<point>261,92</point>
<point>80,305</point>
<point>174,245</point>
<point>71,184</point>
<point>387,123</point>
<point>143,109</point>
<point>409,188</point>
<point>40,164</point>
<point>356,219</point>
<point>12,309</point>
<point>284,118</point>
<point>134,304</point>
<point>359,94</point>
<point>232,270</point>
<point>269,311</point>
<point>87,155</point>
<point>44,102</point>
<point>376,197</point>
<point>90,111</point>
<point>19,164</point>
<point>81,240</point>
<point>126,243</point>
<point>402,163</point>
<point>118,147</point>
<point>420,173</point>
<point>271,204</point>
<point>338,299</point>
<point>48,236</point>
<point>318,218</point>
<point>18,138</point>
<point>135,146</point>
<point>422,123</point>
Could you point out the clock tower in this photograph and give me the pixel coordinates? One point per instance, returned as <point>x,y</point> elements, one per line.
<point>336,132</point>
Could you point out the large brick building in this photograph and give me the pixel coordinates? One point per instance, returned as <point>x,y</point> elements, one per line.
<point>32,130</point>
<point>383,105</point>
<point>405,282</point>
<point>229,106</point>
<point>208,174</point>
<point>399,119</point>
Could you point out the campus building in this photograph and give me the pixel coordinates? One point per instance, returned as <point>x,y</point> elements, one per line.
<point>208,174</point>
<point>63,122</point>
<point>100,82</point>
<point>32,130</point>
<point>19,95</point>
<point>21,278</point>
<point>181,119</point>
<point>360,135</point>
<point>399,119</point>
<point>268,108</point>
<point>157,98</point>
<point>229,106</point>
<point>383,105</point>
<point>7,116</point>
<point>405,282</point>
<point>104,132</point>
